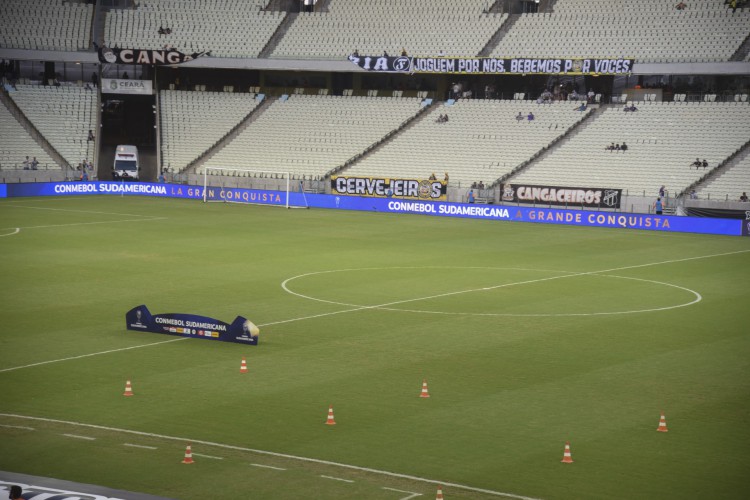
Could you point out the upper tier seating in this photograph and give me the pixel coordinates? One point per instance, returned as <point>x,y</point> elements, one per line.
<point>729,185</point>
<point>421,27</point>
<point>226,28</point>
<point>64,115</point>
<point>481,141</point>
<point>310,135</point>
<point>647,30</point>
<point>16,144</point>
<point>45,25</point>
<point>664,139</point>
<point>192,122</point>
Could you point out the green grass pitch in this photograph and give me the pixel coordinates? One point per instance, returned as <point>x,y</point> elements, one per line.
<point>528,335</point>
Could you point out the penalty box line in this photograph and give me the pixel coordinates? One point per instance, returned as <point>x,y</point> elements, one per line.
<point>505,285</point>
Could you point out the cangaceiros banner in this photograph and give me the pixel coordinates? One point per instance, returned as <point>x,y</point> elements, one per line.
<point>241,330</point>
<point>587,197</point>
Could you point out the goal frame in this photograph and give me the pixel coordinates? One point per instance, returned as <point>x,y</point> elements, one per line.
<point>224,173</point>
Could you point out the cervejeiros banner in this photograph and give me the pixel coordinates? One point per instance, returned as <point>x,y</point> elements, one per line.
<point>562,196</point>
<point>384,187</point>
<point>241,330</point>
<point>493,65</point>
<point>146,56</point>
<point>118,86</point>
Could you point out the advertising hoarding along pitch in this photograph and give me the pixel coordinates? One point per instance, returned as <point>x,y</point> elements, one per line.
<point>648,222</point>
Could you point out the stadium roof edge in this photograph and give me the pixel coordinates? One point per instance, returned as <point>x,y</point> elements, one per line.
<point>344,65</point>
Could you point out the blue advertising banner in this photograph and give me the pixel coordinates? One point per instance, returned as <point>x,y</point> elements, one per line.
<point>648,222</point>
<point>241,330</point>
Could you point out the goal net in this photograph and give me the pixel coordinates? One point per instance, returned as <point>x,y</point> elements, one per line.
<point>252,187</point>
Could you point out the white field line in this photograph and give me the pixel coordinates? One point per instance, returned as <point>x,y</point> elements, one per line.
<point>355,308</point>
<point>268,466</point>
<point>337,479</point>
<point>76,436</point>
<point>411,493</point>
<point>16,231</point>
<point>274,454</point>
<point>207,456</point>
<point>22,427</point>
<point>18,205</point>
<point>149,219</point>
<point>90,354</point>
<point>142,446</point>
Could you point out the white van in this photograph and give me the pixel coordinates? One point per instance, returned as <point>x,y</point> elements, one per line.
<point>126,165</point>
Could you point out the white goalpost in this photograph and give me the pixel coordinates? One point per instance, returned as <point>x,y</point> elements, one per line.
<point>231,185</point>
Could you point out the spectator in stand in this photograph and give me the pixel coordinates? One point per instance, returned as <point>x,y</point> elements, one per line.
<point>573,96</point>
<point>84,175</point>
<point>617,147</point>
<point>697,163</point>
<point>161,177</point>
<point>403,51</point>
<point>480,186</point>
<point>94,79</point>
<point>530,116</point>
<point>432,176</point>
<point>91,136</point>
<point>705,163</point>
<point>582,107</point>
<point>125,75</point>
<point>662,192</point>
<point>680,6</point>
<point>591,96</point>
<point>471,196</point>
<point>624,147</point>
<point>658,206</point>
<point>34,164</point>
<point>744,197</point>
<point>519,117</point>
<point>26,163</point>
<point>611,147</point>
<point>693,195</point>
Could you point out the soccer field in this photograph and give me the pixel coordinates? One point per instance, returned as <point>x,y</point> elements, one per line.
<point>528,336</point>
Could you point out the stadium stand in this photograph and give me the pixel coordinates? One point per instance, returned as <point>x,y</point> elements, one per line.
<point>421,27</point>
<point>647,30</point>
<point>481,141</point>
<point>663,138</point>
<point>310,135</point>
<point>63,114</point>
<point>17,144</point>
<point>226,28</point>
<point>730,184</point>
<point>191,122</point>
<point>45,25</point>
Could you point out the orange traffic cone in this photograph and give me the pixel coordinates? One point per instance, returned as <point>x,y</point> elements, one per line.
<point>243,366</point>
<point>662,424</point>
<point>128,389</point>
<point>424,393</point>
<point>439,493</point>
<point>567,458</point>
<point>330,420</point>
<point>188,455</point>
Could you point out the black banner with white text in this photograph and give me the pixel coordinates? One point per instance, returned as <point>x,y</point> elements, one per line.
<point>142,56</point>
<point>562,196</point>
